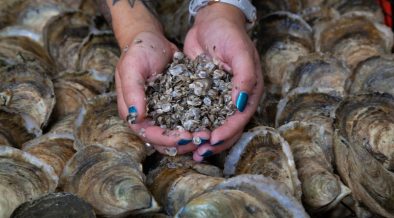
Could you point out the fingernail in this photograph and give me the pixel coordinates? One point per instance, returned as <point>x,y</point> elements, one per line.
<point>184,141</point>
<point>218,143</point>
<point>241,101</point>
<point>132,116</point>
<point>207,153</point>
<point>199,141</point>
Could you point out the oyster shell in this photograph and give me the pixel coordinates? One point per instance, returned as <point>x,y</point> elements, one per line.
<point>109,180</point>
<point>31,20</point>
<point>99,54</point>
<point>367,8</point>
<point>9,9</point>
<point>14,129</point>
<point>245,196</point>
<point>316,71</point>
<point>58,204</point>
<point>263,151</point>
<point>353,39</point>
<point>269,6</point>
<point>29,92</point>
<point>179,179</point>
<point>70,96</point>
<point>281,39</point>
<point>312,106</point>
<point>63,36</point>
<point>98,123</point>
<point>322,190</point>
<point>375,74</point>
<point>23,177</point>
<point>15,50</point>
<point>318,14</point>
<point>55,147</point>
<point>364,149</point>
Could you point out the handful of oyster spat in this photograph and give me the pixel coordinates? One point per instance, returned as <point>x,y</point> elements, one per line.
<point>190,95</point>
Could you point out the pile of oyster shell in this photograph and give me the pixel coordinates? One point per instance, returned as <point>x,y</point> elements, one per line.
<point>321,143</point>
<point>190,95</point>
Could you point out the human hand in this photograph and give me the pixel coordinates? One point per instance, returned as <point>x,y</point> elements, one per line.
<point>146,55</point>
<point>219,30</point>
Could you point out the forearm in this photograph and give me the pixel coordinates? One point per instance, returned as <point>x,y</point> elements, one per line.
<point>128,18</point>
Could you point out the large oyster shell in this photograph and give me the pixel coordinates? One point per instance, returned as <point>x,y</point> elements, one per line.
<point>353,39</point>
<point>58,204</point>
<point>282,38</point>
<point>269,6</point>
<point>70,96</point>
<point>368,8</point>
<point>179,179</point>
<point>15,50</point>
<point>322,190</point>
<point>364,149</point>
<point>312,106</point>
<point>63,36</point>
<point>99,54</point>
<point>375,74</point>
<point>23,177</point>
<point>99,123</point>
<point>245,196</point>
<point>55,147</point>
<point>263,151</point>
<point>13,129</point>
<point>316,71</point>
<point>29,92</point>
<point>109,180</point>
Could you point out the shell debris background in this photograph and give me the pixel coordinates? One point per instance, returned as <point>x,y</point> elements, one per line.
<point>192,94</point>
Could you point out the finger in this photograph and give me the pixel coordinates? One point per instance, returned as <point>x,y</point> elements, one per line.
<point>245,78</point>
<point>207,150</point>
<point>122,107</point>
<point>132,82</point>
<point>202,137</point>
<point>163,137</point>
<point>180,149</point>
<point>236,123</point>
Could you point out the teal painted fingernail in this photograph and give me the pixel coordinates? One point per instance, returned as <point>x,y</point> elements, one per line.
<point>132,116</point>
<point>241,101</point>
<point>207,154</point>
<point>218,143</point>
<point>184,141</point>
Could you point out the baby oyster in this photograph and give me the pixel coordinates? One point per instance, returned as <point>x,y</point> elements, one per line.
<point>321,188</point>
<point>109,180</point>
<point>364,150</point>
<point>23,177</point>
<point>263,151</point>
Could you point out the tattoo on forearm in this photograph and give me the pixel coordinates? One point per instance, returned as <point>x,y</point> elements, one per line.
<point>105,11</point>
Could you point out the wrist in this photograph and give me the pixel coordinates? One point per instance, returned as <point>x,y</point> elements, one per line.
<point>128,22</point>
<point>220,10</point>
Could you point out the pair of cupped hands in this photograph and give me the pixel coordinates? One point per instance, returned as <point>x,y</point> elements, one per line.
<point>219,32</point>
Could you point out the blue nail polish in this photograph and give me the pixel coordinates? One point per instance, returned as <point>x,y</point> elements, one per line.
<point>207,154</point>
<point>184,142</point>
<point>218,143</point>
<point>241,101</point>
<point>132,116</point>
<point>203,141</point>
<point>132,109</point>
